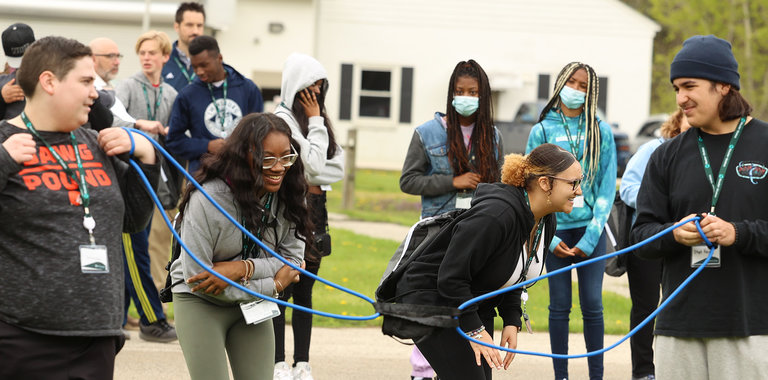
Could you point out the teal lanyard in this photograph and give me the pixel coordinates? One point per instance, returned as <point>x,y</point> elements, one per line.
<point>536,239</point>
<point>152,115</point>
<point>718,186</point>
<point>88,221</point>
<point>575,145</point>
<point>222,115</point>
<point>248,245</point>
<point>183,68</point>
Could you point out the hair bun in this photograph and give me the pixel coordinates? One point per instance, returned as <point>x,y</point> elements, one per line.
<point>514,170</point>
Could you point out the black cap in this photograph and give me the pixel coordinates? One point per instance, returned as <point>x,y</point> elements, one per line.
<point>706,57</point>
<point>16,39</point>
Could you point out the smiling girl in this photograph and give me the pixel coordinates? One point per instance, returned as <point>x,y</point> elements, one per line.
<point>257,179</point>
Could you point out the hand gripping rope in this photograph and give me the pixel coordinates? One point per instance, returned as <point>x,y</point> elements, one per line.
<point>672,296</point>
<point>247,233</point>
<point>371,301</point>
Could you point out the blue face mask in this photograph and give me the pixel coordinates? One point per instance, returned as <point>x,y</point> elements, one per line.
<point>571,98</point>
<point>465,105</point>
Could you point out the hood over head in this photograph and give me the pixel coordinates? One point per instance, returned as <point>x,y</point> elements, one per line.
<point>299,72</point>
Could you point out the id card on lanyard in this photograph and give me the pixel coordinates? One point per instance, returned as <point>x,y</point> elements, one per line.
<point>700,252</point>
<point>93,257</point>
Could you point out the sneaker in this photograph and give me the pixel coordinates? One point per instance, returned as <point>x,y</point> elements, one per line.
<point>302,371</point>
<point>282,371</point>
<point>159,331</point>
<point>646,377</point>
<point>126,334</point>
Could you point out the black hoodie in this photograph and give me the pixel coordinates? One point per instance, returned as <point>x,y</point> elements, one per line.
<point>477,254</point>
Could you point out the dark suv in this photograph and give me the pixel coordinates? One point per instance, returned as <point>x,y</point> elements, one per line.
<point>515,133</point>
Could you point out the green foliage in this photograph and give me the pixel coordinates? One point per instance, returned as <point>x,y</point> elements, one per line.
<point>742,22</point>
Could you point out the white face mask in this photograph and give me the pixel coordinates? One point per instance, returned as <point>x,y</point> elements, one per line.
<point>571,98</point>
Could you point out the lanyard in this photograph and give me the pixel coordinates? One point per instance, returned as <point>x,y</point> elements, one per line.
<point>248,245</point>
<point>88,222</point>
<point>222,115</point>
<point>718,186</point>
<point>152,115</point>
<point>532,247</point>
<point>183,68</point>
<point>575,145</point>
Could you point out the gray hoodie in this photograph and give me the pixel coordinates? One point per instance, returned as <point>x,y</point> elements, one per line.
<point>131,93</point>
<point>300,72</point>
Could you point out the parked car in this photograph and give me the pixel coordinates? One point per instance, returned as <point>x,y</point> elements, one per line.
<point>515,133</point>
<point>649,130</point>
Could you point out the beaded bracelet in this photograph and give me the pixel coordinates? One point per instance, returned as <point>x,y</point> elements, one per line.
<point>476,332</point>
<point>736,233</point>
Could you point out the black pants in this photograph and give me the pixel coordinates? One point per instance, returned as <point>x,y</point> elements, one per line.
<point>32,356</point>
<point>302,294</point>
<point>452,357</point>
<point>644,283</point>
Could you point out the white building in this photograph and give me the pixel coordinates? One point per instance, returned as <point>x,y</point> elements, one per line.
<point>389,61</point>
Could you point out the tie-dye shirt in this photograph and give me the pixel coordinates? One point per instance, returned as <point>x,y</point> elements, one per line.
<point>599,194</point>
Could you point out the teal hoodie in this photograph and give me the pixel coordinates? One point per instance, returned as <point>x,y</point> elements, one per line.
<point>599,194</point>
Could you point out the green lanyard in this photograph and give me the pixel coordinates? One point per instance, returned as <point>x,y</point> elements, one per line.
<point>152,115</point>
<point>248,245</point>
<point>183,68</point>
<point>88,222</point>
<point>575,145</point>
<point>532,248</point>
<point>718,186</point>
<point>222,115</point>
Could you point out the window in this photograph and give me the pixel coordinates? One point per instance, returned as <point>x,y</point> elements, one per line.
<point>375,93</point>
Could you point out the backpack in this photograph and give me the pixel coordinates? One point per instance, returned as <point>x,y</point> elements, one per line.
<point>166,295</point>
<point>408,321</point>
<point>619,225</point>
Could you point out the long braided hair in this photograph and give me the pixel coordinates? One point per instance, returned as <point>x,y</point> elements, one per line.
<point>592,133</point>
<point>483,136</point>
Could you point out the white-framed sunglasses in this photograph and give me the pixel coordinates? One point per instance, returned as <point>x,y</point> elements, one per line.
<point>285,161</point>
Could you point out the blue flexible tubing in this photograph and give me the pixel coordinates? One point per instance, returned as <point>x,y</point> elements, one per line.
<point>250,236</point>
<point>587,262</point>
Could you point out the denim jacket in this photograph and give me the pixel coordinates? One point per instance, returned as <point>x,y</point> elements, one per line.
<point>434,139</point>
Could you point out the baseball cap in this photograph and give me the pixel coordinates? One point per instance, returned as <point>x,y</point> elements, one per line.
<point>16,39</point>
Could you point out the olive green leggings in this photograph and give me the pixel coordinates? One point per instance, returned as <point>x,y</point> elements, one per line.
<point>206,331</point>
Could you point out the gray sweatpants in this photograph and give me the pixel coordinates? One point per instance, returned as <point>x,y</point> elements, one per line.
<point>209,333</point>
<point>711,358</point>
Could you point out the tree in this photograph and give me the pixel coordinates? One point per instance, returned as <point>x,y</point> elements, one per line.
<point>742,22</point>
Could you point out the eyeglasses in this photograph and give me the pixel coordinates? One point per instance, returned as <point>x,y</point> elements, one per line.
<point>285,161</point>
<point>110,56</point>
<point>573,182</point>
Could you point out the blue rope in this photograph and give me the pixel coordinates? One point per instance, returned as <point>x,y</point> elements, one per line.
<point>250,236</point>
<point>587,262</point>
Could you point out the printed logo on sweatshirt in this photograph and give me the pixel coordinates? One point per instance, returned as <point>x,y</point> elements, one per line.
<point>232,115</point>
<point>753,171</point>
<point>44,171</point>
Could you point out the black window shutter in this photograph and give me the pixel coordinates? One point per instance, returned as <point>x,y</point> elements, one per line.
<point>543,87</point>
<point>406,94</point>
<point>345,100</point>
<point>602,97</point>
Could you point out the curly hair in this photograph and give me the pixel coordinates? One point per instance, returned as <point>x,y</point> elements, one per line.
<point>546,160</point>
<point>239,164</point>
<point>483,135</point>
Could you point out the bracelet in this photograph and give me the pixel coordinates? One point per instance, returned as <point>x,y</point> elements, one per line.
<point>736,233</point>
<point>476,333</point>
<point>133,143</point>
<point>249,268</point>
<point>277,282</point>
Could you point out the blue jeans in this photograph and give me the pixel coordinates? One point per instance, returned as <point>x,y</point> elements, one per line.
<point>590,280</point>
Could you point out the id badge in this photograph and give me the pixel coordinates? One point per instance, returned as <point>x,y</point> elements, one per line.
<point>463,200</point>
<point>93,258</point>
<point>578,201</point>
<point>700,252</point>
<point>259,311</point>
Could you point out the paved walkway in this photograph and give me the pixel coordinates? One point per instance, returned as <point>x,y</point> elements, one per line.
<point>364,353</point>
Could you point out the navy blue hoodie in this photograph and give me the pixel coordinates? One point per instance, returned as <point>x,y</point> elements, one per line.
<point>194,112</point>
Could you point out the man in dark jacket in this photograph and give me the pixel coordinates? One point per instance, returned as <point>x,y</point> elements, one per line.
<point>189,23</point>
<point>209,108</point>
<point>717,328</point>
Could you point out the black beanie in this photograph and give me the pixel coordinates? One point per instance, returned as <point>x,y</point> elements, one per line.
<point>706,57</point>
